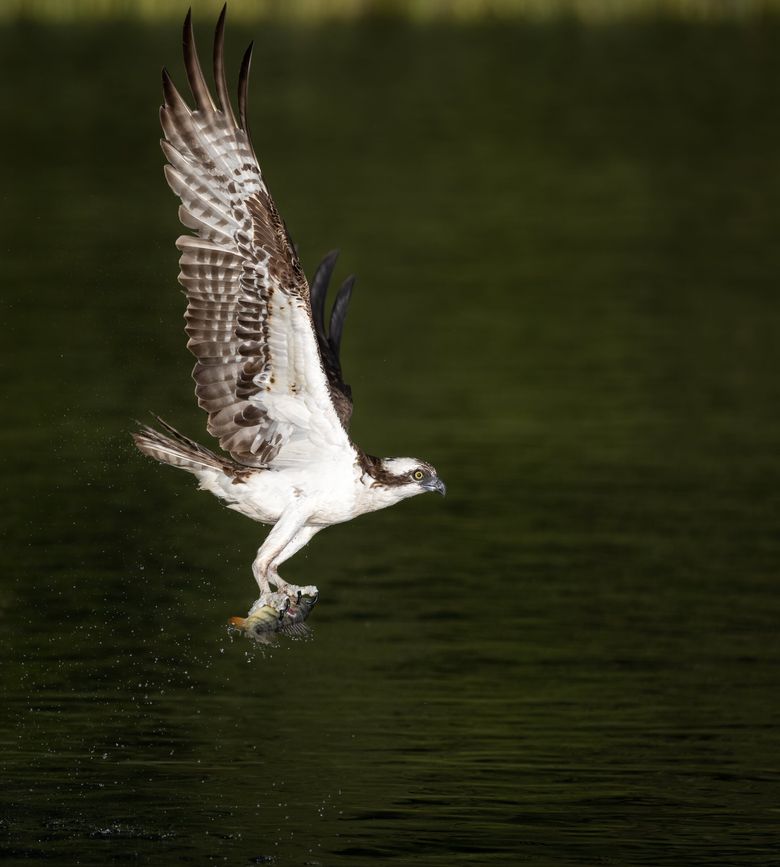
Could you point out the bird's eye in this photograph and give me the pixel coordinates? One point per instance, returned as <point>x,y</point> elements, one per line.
<point>418,475</point>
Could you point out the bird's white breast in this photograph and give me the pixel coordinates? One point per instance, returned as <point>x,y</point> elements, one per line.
<point>327,493</point>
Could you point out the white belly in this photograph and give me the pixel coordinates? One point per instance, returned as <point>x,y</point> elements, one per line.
<point>330,493</point>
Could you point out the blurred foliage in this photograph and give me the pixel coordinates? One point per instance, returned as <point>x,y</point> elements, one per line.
<point>415,10</point>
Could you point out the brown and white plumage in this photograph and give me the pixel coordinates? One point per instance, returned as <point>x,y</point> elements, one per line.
<point>259,374</point>
<point>268,373</point>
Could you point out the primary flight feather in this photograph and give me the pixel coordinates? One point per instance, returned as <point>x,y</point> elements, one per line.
<point>268,372</point>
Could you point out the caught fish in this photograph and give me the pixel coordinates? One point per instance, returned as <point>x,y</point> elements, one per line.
<point>266,621</point>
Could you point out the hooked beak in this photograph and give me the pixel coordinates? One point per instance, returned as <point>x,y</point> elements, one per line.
<point>436,485</point>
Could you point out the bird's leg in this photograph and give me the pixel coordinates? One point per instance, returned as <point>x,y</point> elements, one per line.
<point>301,538</point>
<point>259,571</point>
<point>282,533</point>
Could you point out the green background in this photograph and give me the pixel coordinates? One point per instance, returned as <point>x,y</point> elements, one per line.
<point>565,236</point>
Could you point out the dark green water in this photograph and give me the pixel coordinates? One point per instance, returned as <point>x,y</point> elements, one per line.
<point>567,249</point>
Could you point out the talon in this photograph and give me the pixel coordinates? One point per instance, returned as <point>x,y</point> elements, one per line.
<point>283,611</point>
<point>298,600</point>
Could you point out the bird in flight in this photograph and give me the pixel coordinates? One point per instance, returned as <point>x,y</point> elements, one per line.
<point>268,371</point>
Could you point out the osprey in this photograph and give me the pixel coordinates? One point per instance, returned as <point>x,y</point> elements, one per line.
<point>268,373</point>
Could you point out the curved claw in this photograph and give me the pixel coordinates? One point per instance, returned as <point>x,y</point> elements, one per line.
<point>283,611</point>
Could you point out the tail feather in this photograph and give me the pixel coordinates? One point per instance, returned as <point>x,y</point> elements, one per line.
<point>180,451</point>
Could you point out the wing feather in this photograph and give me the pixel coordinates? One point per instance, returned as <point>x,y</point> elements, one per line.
<point>330,341</point>
<point>219,68</point>
<point>194,73</point>
<point>259,374</point>
<point>243,87</point>
<point>338,315</point>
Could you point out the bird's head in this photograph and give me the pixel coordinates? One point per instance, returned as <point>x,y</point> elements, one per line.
<point>410,476</point>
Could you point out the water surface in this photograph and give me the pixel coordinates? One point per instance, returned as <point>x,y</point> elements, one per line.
<point>567,258</point>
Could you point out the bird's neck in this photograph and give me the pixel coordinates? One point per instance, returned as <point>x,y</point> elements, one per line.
<point>377,487</point>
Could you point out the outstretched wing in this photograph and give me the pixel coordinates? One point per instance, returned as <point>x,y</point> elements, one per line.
<point>329,340</point>
<point>258,374</point>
